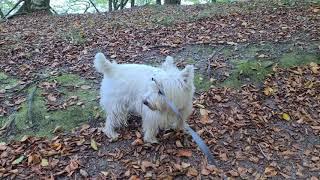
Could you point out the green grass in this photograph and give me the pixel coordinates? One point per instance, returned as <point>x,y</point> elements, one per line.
<point>201,83</point>
<point>298,59</point>
<point>255,71</point>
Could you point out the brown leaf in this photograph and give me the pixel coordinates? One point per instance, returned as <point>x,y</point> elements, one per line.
<point>52,98</point>
<point>223,157</point>
<point>137,142</point>
<point>233,173</point>
<point>134,177</point>
<point>270,171</point>
<point>184,153</point>
<point>179,144</point>
<point>72,167</point>
<point>145,165</point>
<point>192,172</point>
<point>205,172</point>
<point>204,119</point>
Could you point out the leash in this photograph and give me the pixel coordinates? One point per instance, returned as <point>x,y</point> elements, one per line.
<point>199,141</point>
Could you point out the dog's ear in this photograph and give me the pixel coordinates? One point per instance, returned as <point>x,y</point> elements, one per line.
<point>187,74</point>
<point>168,62</point>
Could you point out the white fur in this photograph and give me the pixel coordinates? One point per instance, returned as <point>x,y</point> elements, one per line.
<point>125,87</point>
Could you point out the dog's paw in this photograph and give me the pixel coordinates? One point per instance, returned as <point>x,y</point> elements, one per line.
<point>114,136</point>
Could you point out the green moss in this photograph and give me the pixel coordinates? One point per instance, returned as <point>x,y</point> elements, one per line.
<point>44,122</point>
<point>201,83</point>
<point>190,61</point>
<point>248,71</point>
<point>297,59</point>
<point>69,79</point>
<point>7,82</point>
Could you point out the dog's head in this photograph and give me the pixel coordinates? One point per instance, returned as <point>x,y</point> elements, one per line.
<point>170,83</point>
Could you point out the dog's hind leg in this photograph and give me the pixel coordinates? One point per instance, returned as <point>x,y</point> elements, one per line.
<point>109,128</point>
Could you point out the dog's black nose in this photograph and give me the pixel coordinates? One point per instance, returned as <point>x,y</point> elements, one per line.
<point>145,102</point>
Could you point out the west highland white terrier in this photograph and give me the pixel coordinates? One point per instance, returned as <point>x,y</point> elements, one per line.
<point>133,88</point>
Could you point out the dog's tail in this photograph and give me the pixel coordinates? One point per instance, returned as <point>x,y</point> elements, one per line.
<point>102,64</point>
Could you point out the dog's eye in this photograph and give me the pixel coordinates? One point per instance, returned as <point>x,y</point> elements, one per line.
<point>152,79</point>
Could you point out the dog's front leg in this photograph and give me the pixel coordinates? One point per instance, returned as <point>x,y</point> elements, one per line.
<point>150,129</point>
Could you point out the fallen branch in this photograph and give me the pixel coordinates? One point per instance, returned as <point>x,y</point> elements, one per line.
<point>7,126</point>
<point>30,100</point>
<point>14,7</point>
<point>209,60</point>
<point>263,152</point>
<point>54,11</point>
<point>94,6</point>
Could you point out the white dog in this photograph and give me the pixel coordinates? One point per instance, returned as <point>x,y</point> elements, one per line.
<point>132,88</point>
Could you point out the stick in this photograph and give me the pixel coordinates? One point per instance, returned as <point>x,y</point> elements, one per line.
<point>94,6</point>
<point>6,127</point>
<point>30,100</point>
<point>210,57</point>
<point>13,8</point>
<point>262,152</point>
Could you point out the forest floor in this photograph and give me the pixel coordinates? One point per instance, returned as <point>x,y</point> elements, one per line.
<point>257,103</point>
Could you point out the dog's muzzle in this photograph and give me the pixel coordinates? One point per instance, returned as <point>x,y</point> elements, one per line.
<point>145,102</point>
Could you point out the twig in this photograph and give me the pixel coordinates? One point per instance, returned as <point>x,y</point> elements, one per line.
<point>30,100</point>
<point>262,152</point>
<point>13,8</point>
<point>94,6</point>
<point>6,127</point>
<point>211,57</point>
<point>54,11</point>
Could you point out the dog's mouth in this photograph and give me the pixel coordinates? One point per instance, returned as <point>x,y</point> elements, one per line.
<point>145,102</point>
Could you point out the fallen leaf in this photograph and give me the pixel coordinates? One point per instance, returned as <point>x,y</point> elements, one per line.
<point>192,172</point>
<point>105,173</point>
<point>270,171</point>
<point>85,87</point>
<point>84,173</point>
<point>204,116</point>
<point>314,67</point>
<point>134,177</point>
<point>185,165</point>
<point>51,98</point>
<point>44,162</point>
<point>137,142</point>
<point>286,116</point>
<point>184,153</point>
<point>94,144</point>
<point>268,91</point>
<point>223,157</point>
<point>18,160</point>
<point>179,144</point>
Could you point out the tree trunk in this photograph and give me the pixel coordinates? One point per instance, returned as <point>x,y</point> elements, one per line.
<point>110,5</point>
<point>172,2</point>
<point>158,2</point>
<point>30,6</point>
<point>132,3</point>
<point>1,14</point>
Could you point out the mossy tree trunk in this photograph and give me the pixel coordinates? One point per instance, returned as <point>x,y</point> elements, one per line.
<point>158,2</point>
<point>30,6</point>
<point>1,14</point>
<point>172,2</point>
